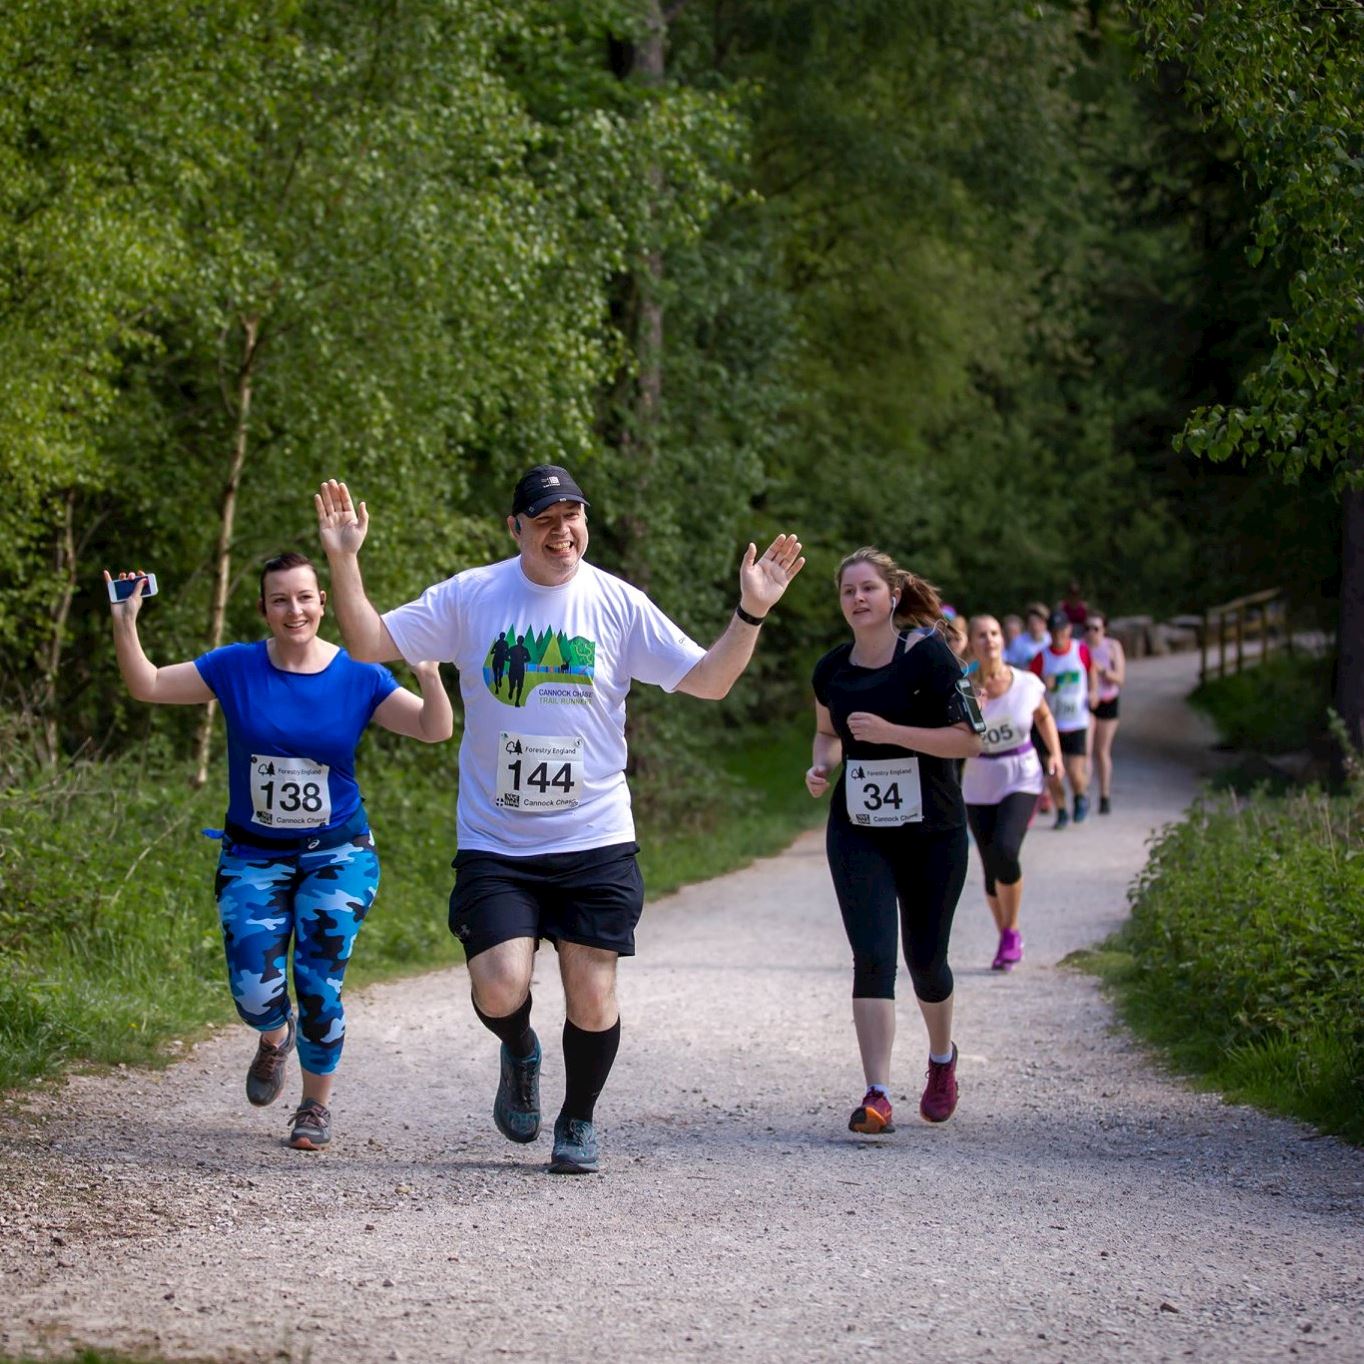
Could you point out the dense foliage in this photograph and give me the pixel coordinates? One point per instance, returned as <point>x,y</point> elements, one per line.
<point>1243,953</point>
<point>946,277</point>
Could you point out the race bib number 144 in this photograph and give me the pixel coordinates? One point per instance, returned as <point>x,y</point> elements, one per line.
<point>539,772</point>
<point>884,792</point>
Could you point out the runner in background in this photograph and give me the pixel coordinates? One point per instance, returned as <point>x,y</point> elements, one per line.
<point>892,706</point>
<point>1073,604</point>
<point>1013,628</point>
<point>1020,654</point>
<point>1001,785</point>
<point>1067,671</point>
<point>1110,664</point>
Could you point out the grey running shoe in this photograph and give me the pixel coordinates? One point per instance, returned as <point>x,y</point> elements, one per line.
<point>516,1110</point>
<point>575,1147</point>
<point>312,1126</point>
<point>265,1074</point>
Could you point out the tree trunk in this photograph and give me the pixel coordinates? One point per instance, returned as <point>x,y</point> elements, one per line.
<point>222,558</point>
<point>1350,632</point>
<point>639,438</point>
<point>65,564</point>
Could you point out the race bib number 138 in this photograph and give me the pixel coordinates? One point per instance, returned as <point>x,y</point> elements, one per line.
<point>289,793</point>
<point>884,792</point>
<point>539,772</point>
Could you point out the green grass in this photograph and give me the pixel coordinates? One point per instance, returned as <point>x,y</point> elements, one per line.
<point>109,943</point>
<point>1278,706</point>
<point>1243,959</point>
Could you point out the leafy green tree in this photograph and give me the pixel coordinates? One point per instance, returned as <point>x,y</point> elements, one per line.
<point>1286,79</point>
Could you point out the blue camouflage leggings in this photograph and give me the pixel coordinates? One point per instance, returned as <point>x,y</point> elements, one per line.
<point>317,899</point>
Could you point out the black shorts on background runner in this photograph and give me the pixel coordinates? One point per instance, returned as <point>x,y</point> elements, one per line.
<point>593,898</point>
<point>1107,710</point>
<point>1073,742</point>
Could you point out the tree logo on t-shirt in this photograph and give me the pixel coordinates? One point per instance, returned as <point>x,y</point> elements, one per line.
<point>522,660</point>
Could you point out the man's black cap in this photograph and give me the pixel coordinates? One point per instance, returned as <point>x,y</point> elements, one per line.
<point>542,487</point>
<point>1058,620</point>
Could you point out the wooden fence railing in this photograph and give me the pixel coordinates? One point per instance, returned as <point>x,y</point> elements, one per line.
<point>1261,616</point>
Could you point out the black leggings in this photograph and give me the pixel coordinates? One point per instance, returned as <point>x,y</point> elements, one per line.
<point>924,872</point>
<point>998,831</point>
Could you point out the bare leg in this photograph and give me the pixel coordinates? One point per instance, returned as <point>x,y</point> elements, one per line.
<point>589,976</point>
<point>1010,900</point>
<point>1103,754</point>
<point>500,976</point>
<point>993,902</point>
<point>1077,770</point>
<point>938,1017</point>
<point>874,1020</point>
<point>317,1087</point>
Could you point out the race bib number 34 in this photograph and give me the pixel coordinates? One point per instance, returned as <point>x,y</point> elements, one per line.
<point>884,792</point>
<point>289,793</point>
<point>539,772</point>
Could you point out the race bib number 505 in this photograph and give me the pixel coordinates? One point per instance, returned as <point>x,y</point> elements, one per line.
<point>884,791</point>
<point>289,793</point>
<point>539,772</point>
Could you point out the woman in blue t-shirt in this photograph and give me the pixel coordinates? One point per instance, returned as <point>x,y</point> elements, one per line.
<point>297,864</point>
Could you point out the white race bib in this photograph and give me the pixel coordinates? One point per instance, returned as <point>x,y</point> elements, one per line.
<point>884,791</point>
<point>289,793</point>
<point>1069,709</point>
<point>538,772</point>
<point>1000,736</point>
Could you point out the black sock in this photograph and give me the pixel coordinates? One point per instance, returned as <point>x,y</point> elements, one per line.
<point>513,1029</point>
<point>588,1058</point>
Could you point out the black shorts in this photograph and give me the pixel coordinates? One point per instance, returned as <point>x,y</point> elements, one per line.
<point>1073,742</point>
<point>593,897</point>
<point>1107,710</point>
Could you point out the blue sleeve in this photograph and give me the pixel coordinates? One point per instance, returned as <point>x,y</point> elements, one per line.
<point>211,668</point>
<point>385,684</point>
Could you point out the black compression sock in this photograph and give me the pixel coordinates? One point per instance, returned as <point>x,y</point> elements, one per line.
<point>514,1029</point>
<point>588,1058</point>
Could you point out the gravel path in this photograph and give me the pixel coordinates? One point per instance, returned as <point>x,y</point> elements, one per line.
<point>1082,1206</point>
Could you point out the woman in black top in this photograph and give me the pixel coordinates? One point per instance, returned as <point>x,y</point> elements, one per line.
<point>890,707</point>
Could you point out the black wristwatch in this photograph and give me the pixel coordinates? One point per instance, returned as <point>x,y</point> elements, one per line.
<point>747,618</point>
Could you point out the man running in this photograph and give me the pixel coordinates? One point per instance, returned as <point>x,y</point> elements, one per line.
<point>546,839</point>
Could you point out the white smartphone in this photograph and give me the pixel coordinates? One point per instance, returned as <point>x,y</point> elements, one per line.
<point>120,589</point>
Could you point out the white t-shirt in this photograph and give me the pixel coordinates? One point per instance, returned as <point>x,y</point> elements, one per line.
<point>544,672</point>
<point>1008,725</point>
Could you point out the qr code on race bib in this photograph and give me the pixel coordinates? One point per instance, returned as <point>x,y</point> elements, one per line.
<point>510,801</point>
<point>861,819</point>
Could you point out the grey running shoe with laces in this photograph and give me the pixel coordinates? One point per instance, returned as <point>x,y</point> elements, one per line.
<point>575,1147</point>
<point>311,1126</point>
<point>265,1074</point>
<point>516,1110</point>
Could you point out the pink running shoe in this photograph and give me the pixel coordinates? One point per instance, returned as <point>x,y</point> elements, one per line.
<point>1010,950</point>
<point>872,1115</point>
<point>939,1099</point>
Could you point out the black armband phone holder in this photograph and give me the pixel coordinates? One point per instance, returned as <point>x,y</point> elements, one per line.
<point>963,708</point>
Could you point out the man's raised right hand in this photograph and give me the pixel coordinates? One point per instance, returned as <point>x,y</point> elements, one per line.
<point>342,524</point>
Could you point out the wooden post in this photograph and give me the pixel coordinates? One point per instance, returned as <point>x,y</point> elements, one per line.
<point>1221,643</point>
<point>1203,648</point>
<point>1240,636</point>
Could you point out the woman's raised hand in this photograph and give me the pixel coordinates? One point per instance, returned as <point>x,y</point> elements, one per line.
<point>129,606</point>
<point>341,523</point>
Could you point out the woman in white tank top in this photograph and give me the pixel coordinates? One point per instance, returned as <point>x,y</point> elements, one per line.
<point>1001,786</point>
